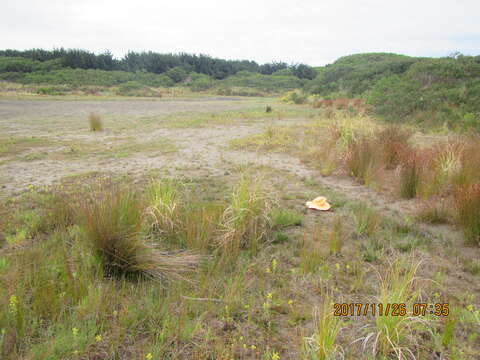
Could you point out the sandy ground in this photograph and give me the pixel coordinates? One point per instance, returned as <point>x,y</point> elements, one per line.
<point>202,151</point>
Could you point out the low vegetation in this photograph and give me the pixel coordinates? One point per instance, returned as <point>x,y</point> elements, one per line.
<point>230,264</point>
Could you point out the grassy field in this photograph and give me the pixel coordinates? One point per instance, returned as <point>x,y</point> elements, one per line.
<point>176,228</point>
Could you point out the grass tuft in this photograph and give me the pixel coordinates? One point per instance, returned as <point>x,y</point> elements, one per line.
<point>392,140</point>
<point>245,223</point>
<point>163,213</point>
<point>112,222</point>
<point>95,122</point>
<point>409,179</point>
<point>468,212</point>
<point>397,335</point>
<point>322,345</point>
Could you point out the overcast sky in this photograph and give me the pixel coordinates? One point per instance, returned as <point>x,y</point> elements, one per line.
<point>315,32</point>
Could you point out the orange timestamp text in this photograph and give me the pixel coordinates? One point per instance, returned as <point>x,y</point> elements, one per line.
<point>394,309</point>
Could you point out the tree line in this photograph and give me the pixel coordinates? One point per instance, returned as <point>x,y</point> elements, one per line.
<point>157,63</point>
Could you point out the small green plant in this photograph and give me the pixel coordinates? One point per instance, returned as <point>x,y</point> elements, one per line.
<point>283,218</point>
<point>95,122</point>
<point>336,237</point>
<point>268,109</point>
<point>396,335</point>
<point>322,345</point>
<point>371,249</point>
<point>367,221</point>
<point>312,255</point>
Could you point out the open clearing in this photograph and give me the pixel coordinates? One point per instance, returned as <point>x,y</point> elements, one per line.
<point>268,306</point>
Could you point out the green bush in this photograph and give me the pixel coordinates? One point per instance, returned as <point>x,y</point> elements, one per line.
<point>200,82</point>
<point>52,90</point>
<point>80,77</point>
<point>135,88</point>
<point>177,74</point>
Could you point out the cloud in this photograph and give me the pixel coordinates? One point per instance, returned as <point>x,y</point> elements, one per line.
<point>310,31</point>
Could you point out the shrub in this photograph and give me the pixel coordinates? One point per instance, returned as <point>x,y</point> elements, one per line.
<point>52,90</point>
<point>135,88</point>
<point>295,96</point>
<point>95,122</point>
<point>201,82</point>
<point>177,74</point>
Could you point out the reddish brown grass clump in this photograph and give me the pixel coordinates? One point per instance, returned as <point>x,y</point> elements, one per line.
<point>468,211</point>
<point>393,141</point>
<point>410,172</point>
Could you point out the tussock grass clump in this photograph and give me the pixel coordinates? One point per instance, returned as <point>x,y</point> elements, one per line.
<point>409,175</point>
<point>397,335</point>
<point>163,211</point>
<point>322,345</point>
<point>362,159</point>
<point>468,212</point>
<point>393,141</point>
<point>95,122</point>
<point>112,222</point>
<point>245,223</point>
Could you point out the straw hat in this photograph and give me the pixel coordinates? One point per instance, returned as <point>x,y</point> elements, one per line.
<point>319,203</point>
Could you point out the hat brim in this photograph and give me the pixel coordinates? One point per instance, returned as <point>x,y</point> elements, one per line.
<point>324,207</point>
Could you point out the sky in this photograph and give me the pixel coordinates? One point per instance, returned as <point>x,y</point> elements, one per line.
<point>315,32</point>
